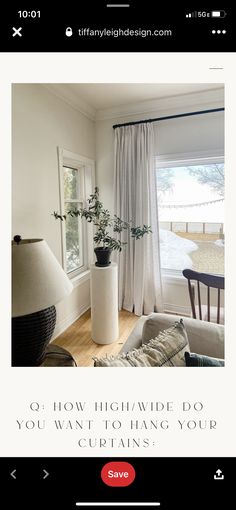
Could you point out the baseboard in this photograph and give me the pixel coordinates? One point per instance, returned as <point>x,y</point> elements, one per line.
<point>65,323</point>
<point>76,314</point>
<point>179,310</point>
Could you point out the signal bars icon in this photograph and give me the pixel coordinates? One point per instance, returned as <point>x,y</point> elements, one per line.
<point>191,14</point>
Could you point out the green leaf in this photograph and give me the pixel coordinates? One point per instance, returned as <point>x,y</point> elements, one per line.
<point>105,224</point>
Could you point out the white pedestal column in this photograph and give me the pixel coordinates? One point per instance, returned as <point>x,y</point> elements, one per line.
<point>104,303</point>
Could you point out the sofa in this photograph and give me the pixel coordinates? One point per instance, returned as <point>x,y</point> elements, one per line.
<point>205,338</point>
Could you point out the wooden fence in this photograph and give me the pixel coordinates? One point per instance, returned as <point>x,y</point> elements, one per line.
<point>191,227</point>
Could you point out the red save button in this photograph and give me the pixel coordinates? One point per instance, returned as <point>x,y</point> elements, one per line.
<point>118,474</point>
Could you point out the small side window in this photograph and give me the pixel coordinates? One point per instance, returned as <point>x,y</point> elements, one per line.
<point>76,184</point>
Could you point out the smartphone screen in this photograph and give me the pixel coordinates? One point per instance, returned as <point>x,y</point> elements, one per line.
<point>117,206</point>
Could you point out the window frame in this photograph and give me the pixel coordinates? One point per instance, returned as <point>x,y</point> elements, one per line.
<point>86,168</point>
<point>185,159</point>
<point>79,201</point>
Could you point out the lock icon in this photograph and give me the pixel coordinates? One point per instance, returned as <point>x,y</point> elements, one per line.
<point>69,32</point>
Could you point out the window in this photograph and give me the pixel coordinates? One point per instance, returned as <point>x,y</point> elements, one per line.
<point>74,230</point>
<point>76,184</point>
<point>191,215</point>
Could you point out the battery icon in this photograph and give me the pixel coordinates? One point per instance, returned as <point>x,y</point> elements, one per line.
<point>218,14</point>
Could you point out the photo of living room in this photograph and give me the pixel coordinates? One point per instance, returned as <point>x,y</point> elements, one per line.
<point>118,225</point>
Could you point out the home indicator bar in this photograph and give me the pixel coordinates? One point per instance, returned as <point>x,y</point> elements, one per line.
<point>120,504</point>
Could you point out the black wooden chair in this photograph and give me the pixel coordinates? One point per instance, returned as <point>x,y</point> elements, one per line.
<point>211,281</point>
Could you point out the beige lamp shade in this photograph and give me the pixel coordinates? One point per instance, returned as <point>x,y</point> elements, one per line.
<point>38,280</point>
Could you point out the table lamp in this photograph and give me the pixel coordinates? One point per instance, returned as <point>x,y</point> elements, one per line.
<point>38,283</point>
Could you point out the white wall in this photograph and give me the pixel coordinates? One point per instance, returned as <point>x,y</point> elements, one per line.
<point>42,122</point>
<point>183,135</point>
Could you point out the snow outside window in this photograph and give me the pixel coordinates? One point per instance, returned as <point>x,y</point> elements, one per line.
<point>191,216</point>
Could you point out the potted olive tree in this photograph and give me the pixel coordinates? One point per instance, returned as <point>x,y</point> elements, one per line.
<point>107,227</point>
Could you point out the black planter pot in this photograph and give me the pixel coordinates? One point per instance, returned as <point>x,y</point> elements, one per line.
<point>103,256</point>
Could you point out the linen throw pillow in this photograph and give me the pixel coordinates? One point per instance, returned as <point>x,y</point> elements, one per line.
<point>167,350</point>
<point>199,360</point>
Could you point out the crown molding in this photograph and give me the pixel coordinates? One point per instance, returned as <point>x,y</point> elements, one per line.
<point>64,92</point>
<point>210,98</point>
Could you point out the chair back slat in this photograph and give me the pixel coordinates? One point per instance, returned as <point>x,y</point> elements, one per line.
<point>210,281</point>
<point>218,307</point>
<point>192,300</point>
<point>199,301</point>
<point>208,305</point>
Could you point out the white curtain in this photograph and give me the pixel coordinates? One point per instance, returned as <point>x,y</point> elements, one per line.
<point>136,199</point>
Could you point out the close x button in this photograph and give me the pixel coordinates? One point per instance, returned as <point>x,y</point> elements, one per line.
<point>118,474</point>
<point>16,31</point>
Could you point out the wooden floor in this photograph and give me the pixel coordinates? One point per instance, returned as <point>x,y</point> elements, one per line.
<point>77,338</point>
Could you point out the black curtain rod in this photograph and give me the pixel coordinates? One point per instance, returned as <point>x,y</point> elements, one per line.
<point>177,116</point>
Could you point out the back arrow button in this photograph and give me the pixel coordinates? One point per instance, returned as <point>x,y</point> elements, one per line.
<point>13,474</point>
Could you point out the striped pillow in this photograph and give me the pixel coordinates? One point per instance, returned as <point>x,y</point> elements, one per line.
<point>167,350</point>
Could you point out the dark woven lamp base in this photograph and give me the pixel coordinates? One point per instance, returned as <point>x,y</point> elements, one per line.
<point>30,336</point>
